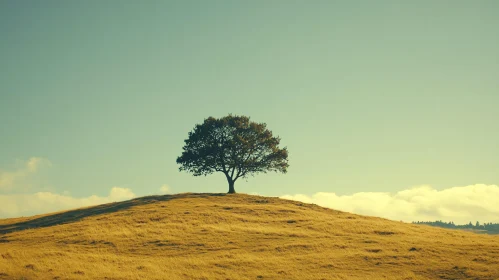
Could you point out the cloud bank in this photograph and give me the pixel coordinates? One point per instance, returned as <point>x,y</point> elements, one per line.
<point>15,205</point>
<point>21,203</point>
<point>9,179</point>
<point>424,203</point>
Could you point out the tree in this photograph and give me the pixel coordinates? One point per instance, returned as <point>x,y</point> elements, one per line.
<point>233,145</point>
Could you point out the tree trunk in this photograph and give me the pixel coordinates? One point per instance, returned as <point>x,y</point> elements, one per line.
<point>231,186</point>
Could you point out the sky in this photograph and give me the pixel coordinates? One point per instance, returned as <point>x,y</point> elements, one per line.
<point>378,102</point>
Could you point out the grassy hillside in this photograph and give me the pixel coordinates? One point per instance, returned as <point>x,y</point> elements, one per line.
<point>216,236</point>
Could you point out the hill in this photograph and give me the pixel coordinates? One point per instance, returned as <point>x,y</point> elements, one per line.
<point>218,236</point>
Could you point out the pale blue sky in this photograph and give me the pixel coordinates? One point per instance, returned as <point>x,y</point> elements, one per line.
<point>371,96</point>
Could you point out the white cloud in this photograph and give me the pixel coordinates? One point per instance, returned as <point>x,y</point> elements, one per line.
<point>117,194</point>
<point>10,179</point>
<point>15,205</point>
<point>34,163</point>
<point>164,189</point>
<point>423,203</point>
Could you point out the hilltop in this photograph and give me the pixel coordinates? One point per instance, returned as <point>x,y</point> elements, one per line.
<point>218,236</point>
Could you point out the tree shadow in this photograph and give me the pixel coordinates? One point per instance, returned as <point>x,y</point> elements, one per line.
<point>72,216</point>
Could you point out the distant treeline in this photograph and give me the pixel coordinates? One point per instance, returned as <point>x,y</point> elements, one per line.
<point>490,228</point>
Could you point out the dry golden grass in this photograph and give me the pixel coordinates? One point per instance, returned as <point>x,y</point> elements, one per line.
<point>209,236</point>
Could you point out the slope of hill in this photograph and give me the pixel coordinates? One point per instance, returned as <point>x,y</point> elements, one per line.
<point>217,236</point>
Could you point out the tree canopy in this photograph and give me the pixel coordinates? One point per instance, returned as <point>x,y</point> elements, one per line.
<point>233,145</point>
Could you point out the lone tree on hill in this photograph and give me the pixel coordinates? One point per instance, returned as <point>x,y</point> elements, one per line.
<point>234,146</point>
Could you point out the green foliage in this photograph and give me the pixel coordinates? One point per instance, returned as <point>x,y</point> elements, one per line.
<point>490,228</point>
<point>234,146</point>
